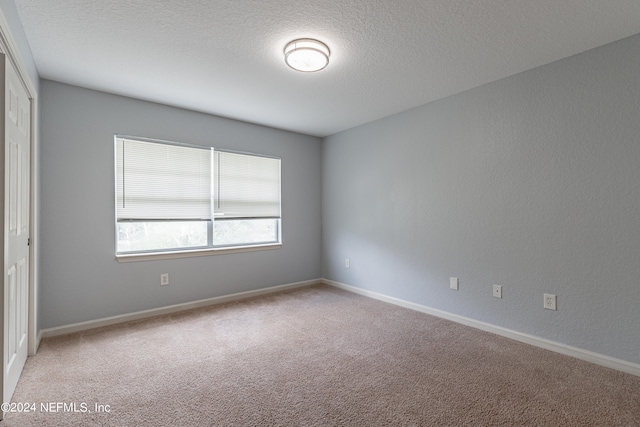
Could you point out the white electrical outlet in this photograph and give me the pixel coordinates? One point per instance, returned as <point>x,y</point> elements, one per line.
<point>347,263</point>
<point>164,279</point>
<point>550,301</point>
<point>453,283</point>
<point>497,291</point>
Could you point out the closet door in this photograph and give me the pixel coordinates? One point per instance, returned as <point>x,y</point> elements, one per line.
<point>16,186</point>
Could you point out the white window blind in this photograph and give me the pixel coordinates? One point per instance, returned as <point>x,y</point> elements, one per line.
<point>162,181</point>
<point>246,186</point>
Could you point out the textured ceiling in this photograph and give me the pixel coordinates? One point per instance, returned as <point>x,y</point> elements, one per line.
<point>224,57</point>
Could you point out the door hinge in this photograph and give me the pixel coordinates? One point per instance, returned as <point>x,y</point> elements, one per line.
<point>29,241</point>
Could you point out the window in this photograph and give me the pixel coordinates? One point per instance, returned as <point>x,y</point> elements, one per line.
<point>172,197</point>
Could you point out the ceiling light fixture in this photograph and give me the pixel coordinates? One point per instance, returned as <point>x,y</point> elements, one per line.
<point>306,55</point>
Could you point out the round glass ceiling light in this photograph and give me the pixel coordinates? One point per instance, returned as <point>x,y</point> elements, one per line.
<point>306,55</point>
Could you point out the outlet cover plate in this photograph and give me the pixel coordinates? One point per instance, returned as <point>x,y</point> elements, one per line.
<point>497,291</point>
<point>550,301</point>
<point>164,279</point>
<point>453,283</point>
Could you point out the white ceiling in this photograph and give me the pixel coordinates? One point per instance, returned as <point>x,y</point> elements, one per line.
<point>224,57</point>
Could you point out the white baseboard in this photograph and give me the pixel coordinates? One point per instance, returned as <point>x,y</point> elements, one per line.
<point>578,353</point>
<point>91,324</point>
<point>37,343</point>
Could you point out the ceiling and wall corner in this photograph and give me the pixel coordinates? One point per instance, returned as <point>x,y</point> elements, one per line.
<point>226,58</point>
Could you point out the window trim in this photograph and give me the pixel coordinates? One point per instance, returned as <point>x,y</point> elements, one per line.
<point>174,253</point>
<point>185,253</point>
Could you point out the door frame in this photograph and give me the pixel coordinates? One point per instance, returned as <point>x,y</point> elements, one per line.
<point>9,47</point>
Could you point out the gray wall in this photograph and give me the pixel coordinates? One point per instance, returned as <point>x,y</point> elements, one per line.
<point>531,182</point>
<point>80,277</point>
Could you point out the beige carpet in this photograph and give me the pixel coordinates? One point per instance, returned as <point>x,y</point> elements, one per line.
<point>313,356</point>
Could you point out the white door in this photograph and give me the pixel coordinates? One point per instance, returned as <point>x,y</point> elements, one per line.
<point>16,187</point>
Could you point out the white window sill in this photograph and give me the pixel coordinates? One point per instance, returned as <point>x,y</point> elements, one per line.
<point>155,256</point>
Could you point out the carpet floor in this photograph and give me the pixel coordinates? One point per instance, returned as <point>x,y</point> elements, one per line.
<point>313,356</point>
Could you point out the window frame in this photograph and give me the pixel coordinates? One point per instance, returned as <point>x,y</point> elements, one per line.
<point>211,248</point>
